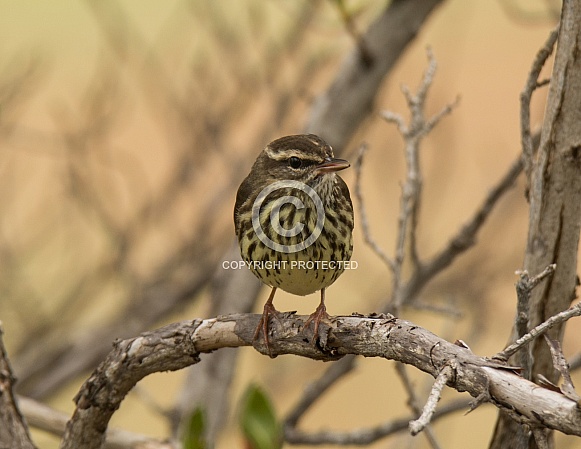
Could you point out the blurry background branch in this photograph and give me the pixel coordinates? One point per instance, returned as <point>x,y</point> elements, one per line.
<point>336,114</point>
<point>41,416</point>
<point>121,147</point>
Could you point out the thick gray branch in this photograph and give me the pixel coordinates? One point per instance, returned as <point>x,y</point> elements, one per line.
<point>555,189</point>
<point>179,345</point>
<point>554,179</point>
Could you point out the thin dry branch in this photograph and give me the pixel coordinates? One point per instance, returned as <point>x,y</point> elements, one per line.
<point>575,362</point>
<point>445,375</point>
<point>561,365</point>
<point>541,438</point>
<point>351,29</point>
<point>531,85</point>
<point>413,403</point>
<point>412,133</point>
<point>463,239</point>
<point>539,330</point>
<point>424,271</point>
<point>524,288</point>
<point>371,242</point>
<point>364,437</point>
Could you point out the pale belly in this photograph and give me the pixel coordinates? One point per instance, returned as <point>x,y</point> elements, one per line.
<point>303,272</point>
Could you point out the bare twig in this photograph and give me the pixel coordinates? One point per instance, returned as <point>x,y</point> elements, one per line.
<point>450,310</point>
<point>539,330</point>
<point>463,239</point>
<point>363,437</point>
<point>413,403</point>
<point>413,133</point>
<point>524,287</point>
<point>363,211</point>
<point>416,426</point>
<point>561,365</point>
<point>525,100</point>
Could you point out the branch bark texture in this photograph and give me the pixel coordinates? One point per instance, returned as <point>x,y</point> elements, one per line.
<point>555,209</point>
<point>180,344</point>
<point>555,196</point>
<point>13,429</point>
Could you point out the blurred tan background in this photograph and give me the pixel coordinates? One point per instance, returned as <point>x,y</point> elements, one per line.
<point>125,128</point>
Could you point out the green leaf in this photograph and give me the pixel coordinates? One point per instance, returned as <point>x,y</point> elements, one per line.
<point>258,420</point>
<point>194,433</point>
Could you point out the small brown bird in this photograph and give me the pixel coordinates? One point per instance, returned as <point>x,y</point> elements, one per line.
<point>294,220</point>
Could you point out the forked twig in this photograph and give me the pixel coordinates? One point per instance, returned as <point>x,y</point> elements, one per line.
<point>464,238</point>
<point>559,318</point>
<point>413,404</point>
<point>410,202</point>
<point>524,288</point>
<point>416,426</point>
<point>561,365</point>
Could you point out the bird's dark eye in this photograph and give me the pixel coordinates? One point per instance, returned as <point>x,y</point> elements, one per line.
<point>294,162</point>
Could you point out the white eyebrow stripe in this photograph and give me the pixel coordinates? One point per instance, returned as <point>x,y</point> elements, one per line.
<point>287,153</point>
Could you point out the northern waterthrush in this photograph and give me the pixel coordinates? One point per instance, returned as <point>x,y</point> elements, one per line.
<point>294,218</point>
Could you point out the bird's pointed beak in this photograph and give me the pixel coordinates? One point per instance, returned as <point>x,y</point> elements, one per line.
<point>332,165</point>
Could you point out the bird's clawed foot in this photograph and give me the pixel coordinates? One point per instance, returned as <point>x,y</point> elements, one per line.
<point>268,311</point>
<point>320,314</point>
